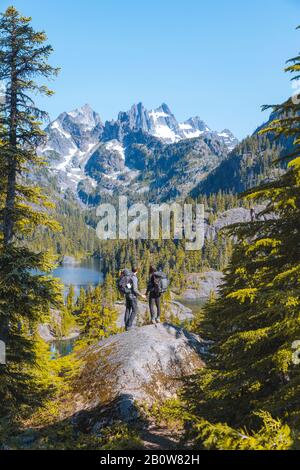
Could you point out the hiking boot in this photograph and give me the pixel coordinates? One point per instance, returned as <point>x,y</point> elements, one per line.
<point>158,320</point>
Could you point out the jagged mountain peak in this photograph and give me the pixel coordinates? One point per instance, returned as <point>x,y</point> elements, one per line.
<point>164,124</point>
<point>136,118</point>
<point>161,123</point>
<point>193,127</point>
<point>119,155</point>
<point>70,139</point>
<point>86,108</point>
<point>228,138</point>
<point>165,109</point>
<point>226,131</point>
<point>198,123</point>
<point>84,116</point>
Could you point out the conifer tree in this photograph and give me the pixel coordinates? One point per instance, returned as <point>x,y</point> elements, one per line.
<point>25,296</point>
<point>97,319</point>
<point>81,299</point>
<point>70,300</point>
<point>256,319</point>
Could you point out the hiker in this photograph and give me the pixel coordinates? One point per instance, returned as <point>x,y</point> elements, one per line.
<point>158,283</point>
<point>252,214</point>
<point>128,285</point>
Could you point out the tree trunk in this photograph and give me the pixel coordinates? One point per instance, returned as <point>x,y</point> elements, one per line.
<point>10,202</point>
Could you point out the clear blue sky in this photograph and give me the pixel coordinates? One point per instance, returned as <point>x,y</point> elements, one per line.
<point>217,59</point>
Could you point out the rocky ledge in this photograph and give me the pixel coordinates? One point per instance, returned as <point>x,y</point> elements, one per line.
<point>143,365</point>
<point>202,284</point>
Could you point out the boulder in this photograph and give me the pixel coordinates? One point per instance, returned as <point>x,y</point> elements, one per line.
<point>233,216</point>
<point>47,330</point>
<point>201,285</point>
<point>143,365</point>
<point>45,333</point>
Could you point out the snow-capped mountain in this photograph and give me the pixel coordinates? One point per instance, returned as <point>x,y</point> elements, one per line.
<point>162,124</point>
<point>71,139</point>
<point>193,127</point>
<point>91,157</point>
<point>228,138</point>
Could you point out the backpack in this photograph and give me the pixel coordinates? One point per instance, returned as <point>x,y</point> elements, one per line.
<point>160,282</point>
<point>125,283</point>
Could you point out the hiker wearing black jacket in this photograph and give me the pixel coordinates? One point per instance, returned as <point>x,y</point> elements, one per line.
<point>131,299</point>
<point>154,297</point>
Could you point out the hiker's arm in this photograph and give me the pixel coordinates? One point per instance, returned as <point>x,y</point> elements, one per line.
<point>135,287</point>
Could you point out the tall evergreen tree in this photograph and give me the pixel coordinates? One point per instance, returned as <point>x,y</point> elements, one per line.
<point>256,319</point>
<point>98,318</point>
<point>70,300</point>
<point>25,296</point>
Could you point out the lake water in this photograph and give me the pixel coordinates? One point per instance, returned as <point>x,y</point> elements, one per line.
<point>62,347</point>
<point>84,274</point>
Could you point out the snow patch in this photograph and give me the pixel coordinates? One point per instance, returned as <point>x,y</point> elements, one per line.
<point>116,146</point>
<point>164,132</point>
<point>93,183</point>
<point>192,134</point>
<point>57,126</point>
<point>224,134</point>
<point>155,115</point>
<point>112,176</point>
<point>90,146</point>
<point>185,126</point>
<point>67,160</point>
<point>73,114</point>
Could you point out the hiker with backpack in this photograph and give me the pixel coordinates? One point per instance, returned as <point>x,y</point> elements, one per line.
<point>157,285</point>
<point>128,285</point>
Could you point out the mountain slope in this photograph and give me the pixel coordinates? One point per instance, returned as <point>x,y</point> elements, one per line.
<point>143,154</point>
<point>249,164</point>
<point>145,168</point>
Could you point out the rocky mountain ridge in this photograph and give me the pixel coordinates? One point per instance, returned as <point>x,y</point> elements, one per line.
<point>150,157</point>
<point>137,154</point>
